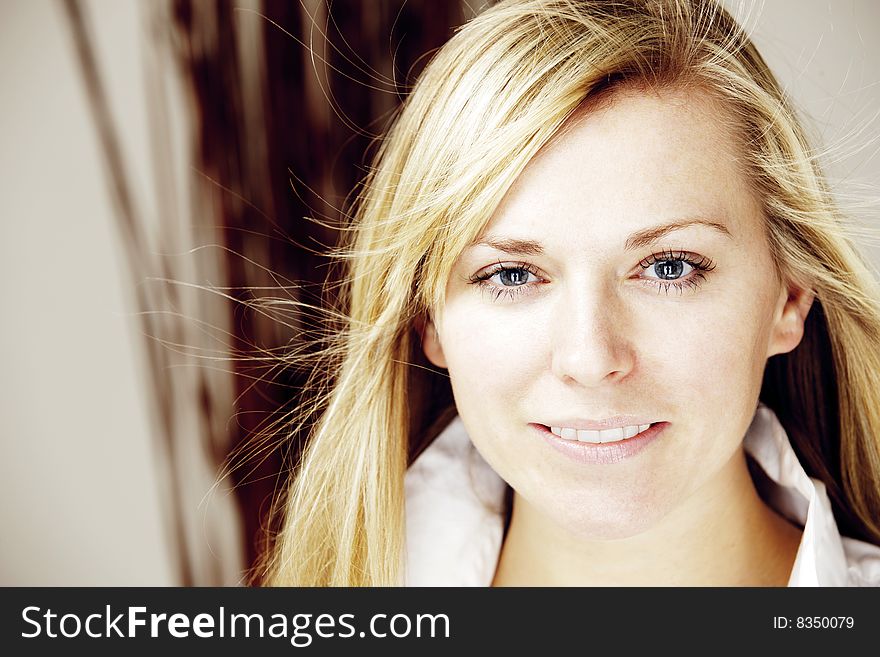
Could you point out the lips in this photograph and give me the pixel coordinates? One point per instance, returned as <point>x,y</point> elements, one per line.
<point>601,453</point>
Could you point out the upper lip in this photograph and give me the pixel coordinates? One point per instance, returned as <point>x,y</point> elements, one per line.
<point>597,425</point>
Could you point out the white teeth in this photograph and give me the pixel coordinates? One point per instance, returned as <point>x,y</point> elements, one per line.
<point>599,436</point>
<point>603,436</point>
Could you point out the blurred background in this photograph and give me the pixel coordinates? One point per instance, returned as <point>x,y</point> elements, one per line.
<point>159,161</point>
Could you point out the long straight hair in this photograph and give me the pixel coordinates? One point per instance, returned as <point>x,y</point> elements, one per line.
<point>497,92</point>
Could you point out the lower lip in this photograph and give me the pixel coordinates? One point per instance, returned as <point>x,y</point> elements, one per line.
<point>602,453</point>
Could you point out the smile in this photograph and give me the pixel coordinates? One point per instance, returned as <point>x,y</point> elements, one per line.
<point>600,446</point>
<point>601,435</point>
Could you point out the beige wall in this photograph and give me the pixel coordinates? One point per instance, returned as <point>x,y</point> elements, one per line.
<point>80,496</point>
<point>82,483</point>
<point>78,483</point>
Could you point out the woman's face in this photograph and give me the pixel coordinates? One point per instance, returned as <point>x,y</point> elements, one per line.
<point>625,280</point>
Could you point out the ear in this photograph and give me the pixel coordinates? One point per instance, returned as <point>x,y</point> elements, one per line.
<point>430,340</point>
<point>795,301</point>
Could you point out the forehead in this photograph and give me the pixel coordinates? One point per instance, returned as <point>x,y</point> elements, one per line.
<point>632,161</point>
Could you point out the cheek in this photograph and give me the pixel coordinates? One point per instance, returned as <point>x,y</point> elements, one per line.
<point>720,354</point>
<point>501,351</point>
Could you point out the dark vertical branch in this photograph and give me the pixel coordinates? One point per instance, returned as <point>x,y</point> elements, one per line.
<point>331,75</point>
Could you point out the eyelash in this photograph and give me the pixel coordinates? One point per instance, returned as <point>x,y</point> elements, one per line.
<point>699,264</point>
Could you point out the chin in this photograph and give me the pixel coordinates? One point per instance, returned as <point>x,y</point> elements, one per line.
<point>608,522</point>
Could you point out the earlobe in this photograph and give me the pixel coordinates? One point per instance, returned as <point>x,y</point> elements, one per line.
<point>431,342</point>
<point>795,301</point>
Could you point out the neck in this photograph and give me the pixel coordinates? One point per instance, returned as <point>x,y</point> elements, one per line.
<point>722,537</point>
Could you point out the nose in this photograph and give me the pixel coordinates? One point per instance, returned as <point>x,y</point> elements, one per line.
<point>590,343</point>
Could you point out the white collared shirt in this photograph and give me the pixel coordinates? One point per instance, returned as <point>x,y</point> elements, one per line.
<point>455,515</point>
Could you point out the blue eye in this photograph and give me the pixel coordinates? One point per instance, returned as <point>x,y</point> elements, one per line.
<point>669,269</point>
<point>678,269</point>
<point>509,279</point>
<point>514,276</point>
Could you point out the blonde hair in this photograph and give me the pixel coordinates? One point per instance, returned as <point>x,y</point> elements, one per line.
<point>497,92</point>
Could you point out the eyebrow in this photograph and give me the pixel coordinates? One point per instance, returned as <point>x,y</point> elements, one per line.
<point>635,241</point>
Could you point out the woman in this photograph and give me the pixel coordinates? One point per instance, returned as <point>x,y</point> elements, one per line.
<point>603,221</point>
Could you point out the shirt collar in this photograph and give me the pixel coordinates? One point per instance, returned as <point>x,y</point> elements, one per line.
<point>820,560</point>
<point>455,514</point>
